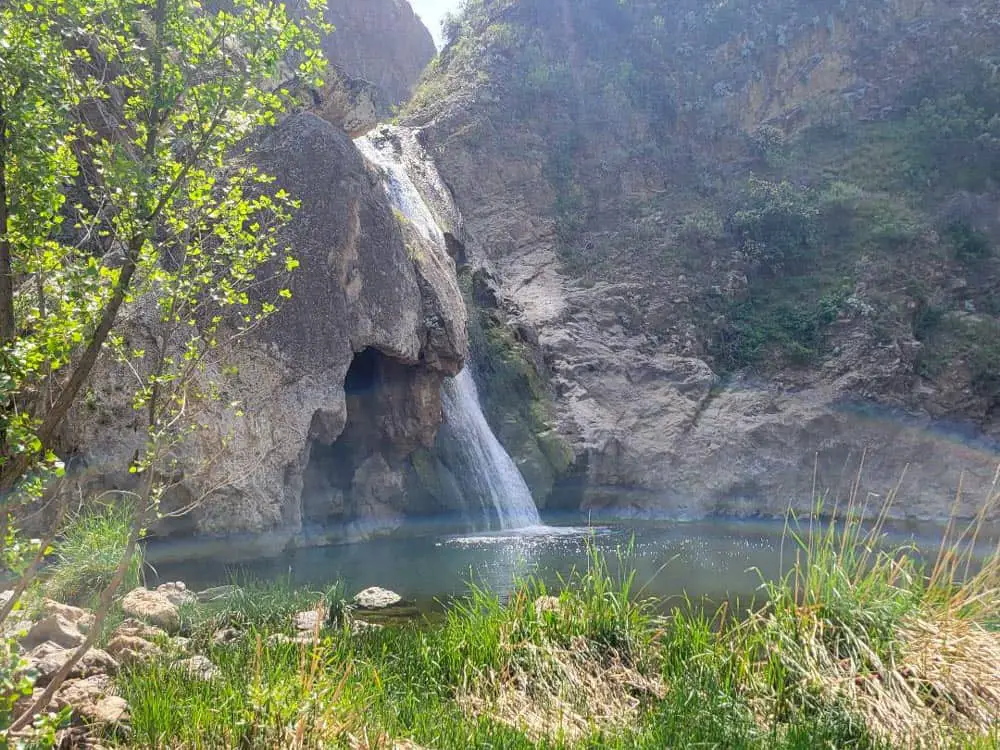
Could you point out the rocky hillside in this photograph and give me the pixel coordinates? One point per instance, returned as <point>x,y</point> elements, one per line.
<point>731,239</point>
<point>382,42</point>
<point>340,389</point>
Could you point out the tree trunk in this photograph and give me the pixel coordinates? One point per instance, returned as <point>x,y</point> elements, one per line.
<point>7,329</point>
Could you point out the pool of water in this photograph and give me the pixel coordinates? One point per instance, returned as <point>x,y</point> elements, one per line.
<point>711,561</point>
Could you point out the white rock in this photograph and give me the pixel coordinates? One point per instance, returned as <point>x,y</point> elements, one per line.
<point>376,598</point>
<point>177,593</point>
<point>199,667</point>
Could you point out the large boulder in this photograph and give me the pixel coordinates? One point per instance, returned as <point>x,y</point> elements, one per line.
<point>153,607</point>
<point>375,597</point>
<point>349,103</point>
<point>55,629</point>
<point>367,296</point>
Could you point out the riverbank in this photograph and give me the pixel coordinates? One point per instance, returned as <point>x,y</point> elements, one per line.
<point>859,646</point>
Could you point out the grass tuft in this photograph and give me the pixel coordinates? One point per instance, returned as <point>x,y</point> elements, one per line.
<point>88,553</point>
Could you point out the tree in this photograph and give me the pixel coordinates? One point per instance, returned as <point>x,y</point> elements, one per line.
<point>120,124</point>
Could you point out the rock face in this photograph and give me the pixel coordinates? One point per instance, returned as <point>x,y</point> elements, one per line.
<point>380,41</point>
<point>601,155</point>
<point>340,389</point>
<point>347,102</point>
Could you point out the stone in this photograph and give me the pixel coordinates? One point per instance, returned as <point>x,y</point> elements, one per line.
<point>152,607</point>
<point>131,627</point>
<point>93,700</point>
<point>55,629</point>
<point>177,593</point>
<point>226,636</point>
<point>199,667</point>
<point>130,649</point>
<point>80,617</point>
<point>376,598</point>
<point>361,627</point>
<point>48,658</point>
<point>309,621</point>
<point>215,593</point>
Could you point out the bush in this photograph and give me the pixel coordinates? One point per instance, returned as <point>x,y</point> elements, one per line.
<point>88,553</point>
<point>969,244</point>
<point>777,225</point>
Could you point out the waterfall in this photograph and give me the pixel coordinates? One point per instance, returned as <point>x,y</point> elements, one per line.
<point>486,474</point>
<point>483,467</point>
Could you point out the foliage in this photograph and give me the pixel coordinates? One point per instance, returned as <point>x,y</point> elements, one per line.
<point>119,124</point>
<point>89,551</point>
<point>970,245</point>
<point>777,225</point>
<point>817,665</point>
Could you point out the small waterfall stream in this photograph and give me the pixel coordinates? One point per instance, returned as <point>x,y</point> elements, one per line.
<point>487,475</point>
<point>484,468</point>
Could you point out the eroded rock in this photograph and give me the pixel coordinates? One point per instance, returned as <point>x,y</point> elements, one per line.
<point>48,658</point>
<point>54,629</point>
<point>93,700</point>
<point>177,593</point>
<point>137,629</point>
<point>152,607</point>
<point>82,618</point>
<point>309,621</point>
<point>128,649</point>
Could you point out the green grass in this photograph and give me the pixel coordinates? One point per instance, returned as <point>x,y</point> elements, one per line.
<point>88,553</point>
<point>823,664</point>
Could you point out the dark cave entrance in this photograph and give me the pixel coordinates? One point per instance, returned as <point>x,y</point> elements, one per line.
<point>327,491</point>
<point>363,374</point>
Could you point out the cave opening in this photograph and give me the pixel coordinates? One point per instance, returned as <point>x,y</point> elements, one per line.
<point>363,374</point>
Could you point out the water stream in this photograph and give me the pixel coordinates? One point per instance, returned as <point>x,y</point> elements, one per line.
<point>484,469</point>
<point>490,482</point>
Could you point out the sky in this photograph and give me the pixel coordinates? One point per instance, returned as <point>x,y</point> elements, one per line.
<point>431,12</point>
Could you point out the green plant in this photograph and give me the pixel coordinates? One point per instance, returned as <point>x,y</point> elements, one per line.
<point>89,550</point>
<point>777,224</point>
<point>970,245</point>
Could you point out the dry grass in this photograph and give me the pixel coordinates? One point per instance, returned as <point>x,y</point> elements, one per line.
<point>865,628</point>
<point>563,693</point>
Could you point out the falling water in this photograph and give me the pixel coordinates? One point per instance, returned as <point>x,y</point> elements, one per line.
<point>486,473</point>
<point>484,467</point>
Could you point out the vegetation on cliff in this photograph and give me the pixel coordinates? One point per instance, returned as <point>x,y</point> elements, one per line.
<point>774,208</point>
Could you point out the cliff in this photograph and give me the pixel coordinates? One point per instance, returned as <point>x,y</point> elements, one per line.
<point>382,42</point>
<point>738,245</point>
<point>341,389</point>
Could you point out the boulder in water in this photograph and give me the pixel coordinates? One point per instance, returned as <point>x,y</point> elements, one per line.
<point>374,597</point>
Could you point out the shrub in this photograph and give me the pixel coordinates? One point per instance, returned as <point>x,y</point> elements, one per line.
<point>89,551</point>
<point>777,224</point>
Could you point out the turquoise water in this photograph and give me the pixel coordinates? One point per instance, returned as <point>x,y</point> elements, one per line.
<point>714,560</point>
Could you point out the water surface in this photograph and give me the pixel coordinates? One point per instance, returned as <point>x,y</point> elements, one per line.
<point>714,560</point>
